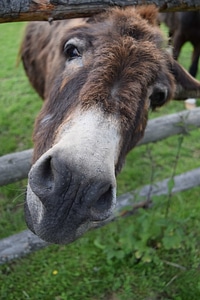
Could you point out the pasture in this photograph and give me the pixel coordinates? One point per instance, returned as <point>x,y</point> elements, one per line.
<point>152,255</point>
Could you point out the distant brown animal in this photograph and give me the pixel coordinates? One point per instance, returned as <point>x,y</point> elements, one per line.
<point>184,27</point>
<point>99,77</point>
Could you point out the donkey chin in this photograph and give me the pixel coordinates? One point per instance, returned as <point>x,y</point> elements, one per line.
<point>70,192</point>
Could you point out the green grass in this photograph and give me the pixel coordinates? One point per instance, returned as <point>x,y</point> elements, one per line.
<point>153,255</point>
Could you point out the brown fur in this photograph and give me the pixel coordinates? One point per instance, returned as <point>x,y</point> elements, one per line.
<point>122,40</point>
<point>105,71</point>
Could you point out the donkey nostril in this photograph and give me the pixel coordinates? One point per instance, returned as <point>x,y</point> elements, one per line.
<point>41,177</point>
<point>103,203</point>
<point>46,172</point>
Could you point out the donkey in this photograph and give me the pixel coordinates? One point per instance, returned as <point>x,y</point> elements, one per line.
<point>184,27</point>
<point>98,77</point>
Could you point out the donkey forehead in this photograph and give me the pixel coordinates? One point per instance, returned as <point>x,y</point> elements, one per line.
<point>120,29</point>
<point>117,57</point>
<point>93,42</point>
<point>113,27</point>
<point>116,51</point>
<point>124,50</point>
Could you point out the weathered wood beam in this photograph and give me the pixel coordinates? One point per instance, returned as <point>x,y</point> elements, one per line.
<point>160,128</point>
<point>47,10</point>
<point>15,166</point>
<point>25,242</point>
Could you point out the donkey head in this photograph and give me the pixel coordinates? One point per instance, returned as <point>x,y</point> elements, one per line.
<point>99,77</point>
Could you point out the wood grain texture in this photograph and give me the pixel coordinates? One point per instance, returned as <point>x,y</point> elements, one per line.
<point>48,10</point>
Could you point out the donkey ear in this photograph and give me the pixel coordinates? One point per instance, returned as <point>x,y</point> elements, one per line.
<point>149,13</point>
<point>186,85</point>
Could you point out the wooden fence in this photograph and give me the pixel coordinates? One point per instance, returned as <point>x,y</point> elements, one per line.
<point>48,10</point>
<point>15,166</point>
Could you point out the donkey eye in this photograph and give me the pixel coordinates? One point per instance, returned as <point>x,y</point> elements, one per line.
<point>71,51</point>
<point>159,96</point>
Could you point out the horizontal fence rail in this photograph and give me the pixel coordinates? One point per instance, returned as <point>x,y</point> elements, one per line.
<point>15,166</point>
<point>48,10</point>
<point>25,242</point>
